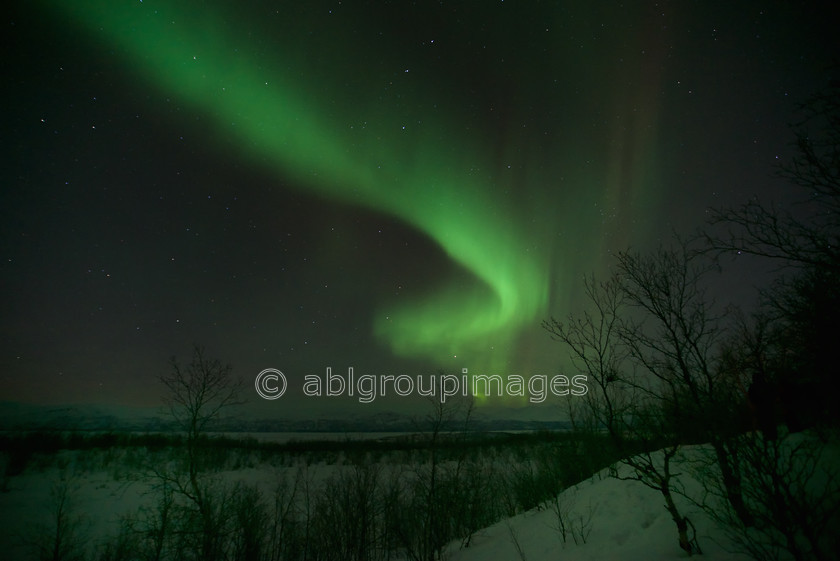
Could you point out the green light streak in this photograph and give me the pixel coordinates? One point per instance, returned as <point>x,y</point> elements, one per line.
<point>421,175</point>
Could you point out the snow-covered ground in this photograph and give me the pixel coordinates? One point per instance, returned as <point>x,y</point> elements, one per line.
<point>623,520</point>
<point>606,518</point>
<point>97,501</point>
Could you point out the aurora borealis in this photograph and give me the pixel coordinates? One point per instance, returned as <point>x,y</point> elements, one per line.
<point>227,174</point>
<point>408,171</point>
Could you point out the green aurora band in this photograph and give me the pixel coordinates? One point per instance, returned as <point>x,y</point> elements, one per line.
<point>422,171</point>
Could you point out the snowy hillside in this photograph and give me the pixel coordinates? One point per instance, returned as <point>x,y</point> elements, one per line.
<point>622,520</point>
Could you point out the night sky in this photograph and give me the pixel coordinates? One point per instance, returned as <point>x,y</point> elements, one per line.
<point>394,186</point>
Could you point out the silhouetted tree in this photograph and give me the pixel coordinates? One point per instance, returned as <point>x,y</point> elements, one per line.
<point>596,350</point>
<point>803,239</point>
<point>197,396</point>
<point>633,381</point>
<point>64,537</point>
<point>786,353</point>
<point>677,339</point>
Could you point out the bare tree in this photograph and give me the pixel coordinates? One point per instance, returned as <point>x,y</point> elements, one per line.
<point>651,347</point>
<point>788,483</point>
<point>64,537</point>
<point>596,350</point>
<point>807,233</point>
<point>630,408</point>
<point>197,396</point>
<point>678,341</point>
<point>803,240</point>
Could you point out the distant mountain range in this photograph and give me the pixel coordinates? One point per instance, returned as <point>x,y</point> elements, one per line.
<point>24,416</point>
<point>21,416</point>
